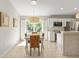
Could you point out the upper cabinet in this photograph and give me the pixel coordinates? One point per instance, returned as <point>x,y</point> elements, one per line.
<point>4,19</point>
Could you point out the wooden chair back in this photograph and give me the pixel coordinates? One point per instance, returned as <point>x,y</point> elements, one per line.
<point>34,41</point>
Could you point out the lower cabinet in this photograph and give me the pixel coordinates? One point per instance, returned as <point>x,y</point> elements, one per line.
<point>52,36</point>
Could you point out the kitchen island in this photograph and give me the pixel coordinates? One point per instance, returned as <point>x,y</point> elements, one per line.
<point>68,43</point>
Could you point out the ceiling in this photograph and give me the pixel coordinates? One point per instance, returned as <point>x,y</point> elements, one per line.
<point>46,7</point>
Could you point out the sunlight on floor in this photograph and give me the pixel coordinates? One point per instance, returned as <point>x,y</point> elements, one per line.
<point>22,43</point>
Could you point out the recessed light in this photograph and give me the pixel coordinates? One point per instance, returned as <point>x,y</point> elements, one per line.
<point>61,8</point>
<point>75,8</point>
<point>34,2</point>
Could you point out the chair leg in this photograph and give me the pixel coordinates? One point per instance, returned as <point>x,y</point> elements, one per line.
<point>30,51</point>
<point>43,45</point>
<point>26,47</point>
<point>25,50</point>
<point>39,51</point>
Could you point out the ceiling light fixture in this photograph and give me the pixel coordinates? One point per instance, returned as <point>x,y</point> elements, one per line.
<point>34,2</point>
<point>75,8</point>
<point>61,8</point>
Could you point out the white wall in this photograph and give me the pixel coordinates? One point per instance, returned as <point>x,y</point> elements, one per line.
<point>9,36</point>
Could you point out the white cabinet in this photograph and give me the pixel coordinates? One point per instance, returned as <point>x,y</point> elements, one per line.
<point>52,36</point>
<point>59,42</point>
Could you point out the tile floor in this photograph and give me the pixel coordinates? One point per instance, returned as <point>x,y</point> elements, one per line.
<point>50,51</point>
